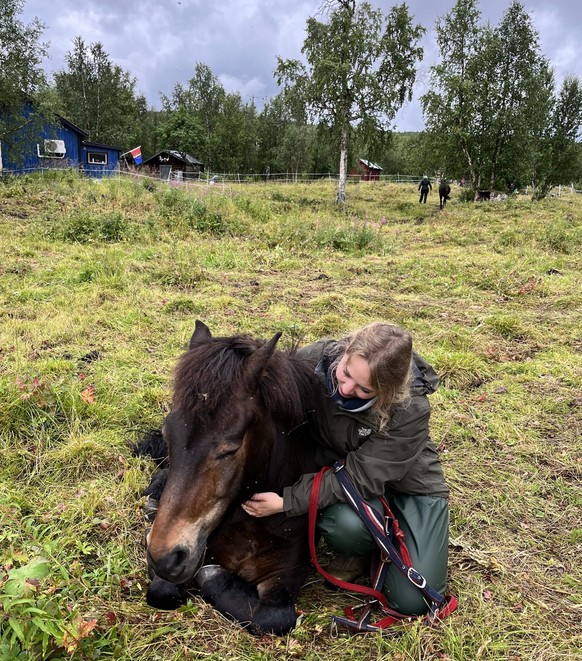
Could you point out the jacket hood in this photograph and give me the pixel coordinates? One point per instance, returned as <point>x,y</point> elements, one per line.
<point>424,379</point>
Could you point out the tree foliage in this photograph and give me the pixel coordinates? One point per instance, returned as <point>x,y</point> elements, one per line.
<point>556,152</point>
<point>212,125</point>
<point>99,96</point>
<point>359,70</point>
<point>490,107</point>
<point>285,141</point>
<point>21,74</point>
<point>494,113</point>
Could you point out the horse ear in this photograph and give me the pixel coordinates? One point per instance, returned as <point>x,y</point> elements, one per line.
<point>201,334</point>
<point>258,361</point>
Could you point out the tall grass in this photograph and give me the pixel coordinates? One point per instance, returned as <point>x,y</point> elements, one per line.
<point>100,284</point>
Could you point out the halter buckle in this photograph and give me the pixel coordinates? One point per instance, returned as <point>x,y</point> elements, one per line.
<point>415,578</point>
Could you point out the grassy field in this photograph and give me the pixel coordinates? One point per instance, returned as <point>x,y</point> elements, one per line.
<point>100,284</point>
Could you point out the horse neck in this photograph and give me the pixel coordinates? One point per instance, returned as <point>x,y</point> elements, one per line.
<point>278,455</point>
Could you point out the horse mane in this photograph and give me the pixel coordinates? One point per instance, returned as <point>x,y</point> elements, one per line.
<point>208,375</point>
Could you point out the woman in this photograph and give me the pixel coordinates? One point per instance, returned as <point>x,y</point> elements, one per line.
<point>375,415</point>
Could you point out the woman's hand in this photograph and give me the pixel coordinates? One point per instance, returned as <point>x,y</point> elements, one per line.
<point>263,504</point>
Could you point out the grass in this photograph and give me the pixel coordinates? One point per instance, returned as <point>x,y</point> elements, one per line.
<point>100,284</point>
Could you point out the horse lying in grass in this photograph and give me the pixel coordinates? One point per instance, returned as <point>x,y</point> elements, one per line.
<point>236,428</point>
<point>444,194</point>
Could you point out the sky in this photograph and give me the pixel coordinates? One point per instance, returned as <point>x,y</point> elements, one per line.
<point>159,42</point>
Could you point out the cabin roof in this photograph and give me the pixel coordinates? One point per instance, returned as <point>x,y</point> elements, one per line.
<point>369,164</point>
<point>98,145</point>
<point>181,156</point>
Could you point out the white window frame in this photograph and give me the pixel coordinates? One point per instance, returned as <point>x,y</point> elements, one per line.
<point>91,154</point>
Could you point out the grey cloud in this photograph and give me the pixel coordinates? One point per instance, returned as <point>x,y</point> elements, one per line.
<point>160,41</point>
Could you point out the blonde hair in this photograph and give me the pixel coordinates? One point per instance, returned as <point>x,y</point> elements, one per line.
<point>388,351</point>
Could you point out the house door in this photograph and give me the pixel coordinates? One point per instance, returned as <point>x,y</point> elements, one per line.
<point>165,172</point>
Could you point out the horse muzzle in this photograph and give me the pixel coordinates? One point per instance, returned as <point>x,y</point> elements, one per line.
<point>178,564</point>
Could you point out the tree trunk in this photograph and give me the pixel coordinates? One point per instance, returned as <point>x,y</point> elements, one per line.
<point>343,168</point>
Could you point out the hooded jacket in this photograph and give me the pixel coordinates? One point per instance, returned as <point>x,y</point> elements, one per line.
<point>399,459</point>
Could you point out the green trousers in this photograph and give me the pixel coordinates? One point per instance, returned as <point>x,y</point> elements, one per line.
<point>425,523</point>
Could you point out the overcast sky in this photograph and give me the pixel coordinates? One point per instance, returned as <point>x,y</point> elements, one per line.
<point>160,41</point>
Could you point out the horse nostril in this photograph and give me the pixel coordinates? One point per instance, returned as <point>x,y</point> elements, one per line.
<point>179,556</point>
<point>172,565</point>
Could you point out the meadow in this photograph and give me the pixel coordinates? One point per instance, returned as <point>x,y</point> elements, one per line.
<point>100,285</point>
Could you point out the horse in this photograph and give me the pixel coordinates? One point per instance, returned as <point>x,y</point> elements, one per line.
<point>444,194</point>
<point>237,427</point>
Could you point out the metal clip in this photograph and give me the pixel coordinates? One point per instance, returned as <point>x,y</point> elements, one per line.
<point>333,630</point>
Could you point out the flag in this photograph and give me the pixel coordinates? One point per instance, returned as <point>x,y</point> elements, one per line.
<point>136,155</point>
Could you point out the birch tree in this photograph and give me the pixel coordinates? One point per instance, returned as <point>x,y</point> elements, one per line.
<point>492,112</point>
<point>556,147</point>
<point>359,69</point>
<point>99,96</point>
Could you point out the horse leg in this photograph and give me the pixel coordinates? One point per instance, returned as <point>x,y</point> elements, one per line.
<point>271,609</point>
<point>228,593</point>
<point>276,612</point>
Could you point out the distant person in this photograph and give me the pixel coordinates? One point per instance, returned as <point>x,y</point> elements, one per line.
<point>424,187</point>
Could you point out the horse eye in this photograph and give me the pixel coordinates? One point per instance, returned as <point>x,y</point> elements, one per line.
<point>227,453</point>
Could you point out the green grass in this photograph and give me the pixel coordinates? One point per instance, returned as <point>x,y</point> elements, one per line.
<point>100,284</point>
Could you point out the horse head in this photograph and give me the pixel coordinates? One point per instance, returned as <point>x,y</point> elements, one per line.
<point>215,433</point>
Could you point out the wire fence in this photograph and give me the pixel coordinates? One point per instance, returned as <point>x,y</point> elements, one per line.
<point>227,181</point>
<point>290,177</point>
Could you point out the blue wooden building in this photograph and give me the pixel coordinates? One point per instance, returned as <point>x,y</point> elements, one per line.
<point>41,144</point>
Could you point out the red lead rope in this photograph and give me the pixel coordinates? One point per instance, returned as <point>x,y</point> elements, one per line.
<point>362,623</point>
<point>332,579</point>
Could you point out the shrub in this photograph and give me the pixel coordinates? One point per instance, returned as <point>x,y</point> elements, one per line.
<point>84,227</point>
<point>562,236</point>
<point>354,237</point>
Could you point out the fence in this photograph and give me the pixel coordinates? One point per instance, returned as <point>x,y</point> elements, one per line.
<point>224,181</point>
<point>283,177</point>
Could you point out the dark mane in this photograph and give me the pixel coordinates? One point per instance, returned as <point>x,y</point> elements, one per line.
<point>209,374</point>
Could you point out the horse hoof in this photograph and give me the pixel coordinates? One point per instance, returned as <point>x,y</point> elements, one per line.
<point>207,573</point>
<point>164,595</point>
<point>150,509</point>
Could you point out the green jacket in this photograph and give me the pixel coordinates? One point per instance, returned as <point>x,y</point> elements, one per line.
<point>401,458</point>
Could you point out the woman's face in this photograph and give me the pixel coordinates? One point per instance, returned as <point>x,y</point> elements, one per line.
<point>353,378</point>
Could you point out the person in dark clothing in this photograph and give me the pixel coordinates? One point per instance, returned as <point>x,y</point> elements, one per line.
<point>424,187</point>
<point>374,413</point>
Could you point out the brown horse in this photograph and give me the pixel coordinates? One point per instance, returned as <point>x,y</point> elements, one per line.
<point>444,194</point>
<point>237,427</point>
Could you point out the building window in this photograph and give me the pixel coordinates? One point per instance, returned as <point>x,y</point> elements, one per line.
<point>96,158</point>
<point>52,149</point>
